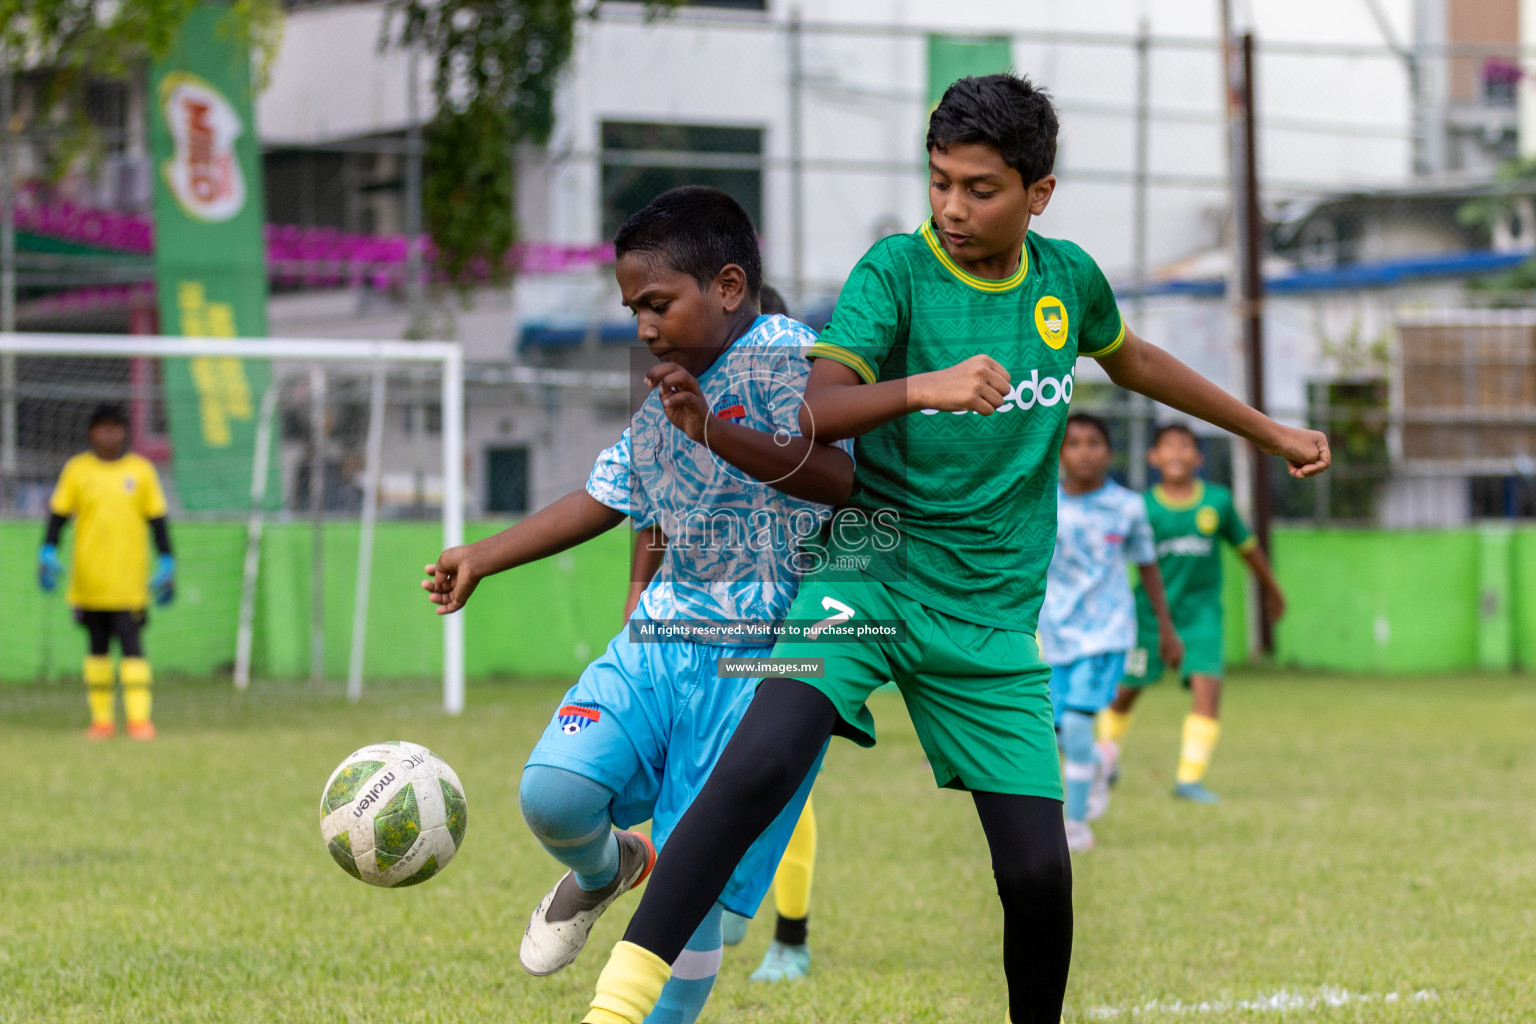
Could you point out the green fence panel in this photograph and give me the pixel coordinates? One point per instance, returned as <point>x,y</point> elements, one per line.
<point>1359,600</point>
<point>1376,601</point>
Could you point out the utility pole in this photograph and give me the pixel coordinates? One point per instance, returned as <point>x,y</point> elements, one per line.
<point>1140,405</point>
<point>415,286</point>
<point>8,418</point>
<point>1250,248</point>
<point>796,166</point>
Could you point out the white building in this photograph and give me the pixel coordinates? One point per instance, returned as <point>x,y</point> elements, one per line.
<point>817,126</point>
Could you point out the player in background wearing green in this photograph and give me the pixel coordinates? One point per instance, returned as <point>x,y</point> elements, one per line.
<point>951,358</point>
<point>1188,516</point>
<point>115,498</point>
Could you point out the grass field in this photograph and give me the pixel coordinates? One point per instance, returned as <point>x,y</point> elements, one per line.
<point>1374,860</point>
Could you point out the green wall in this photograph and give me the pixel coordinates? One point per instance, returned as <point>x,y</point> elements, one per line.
<point>1374,601</point>
<point>1359,600</point>
<point>549,618</point>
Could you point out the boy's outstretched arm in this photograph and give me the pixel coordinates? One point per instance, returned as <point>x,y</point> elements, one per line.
<point>575,518</point>
<point>1274,597</point>
<point>1170,649</point>
<point>839,404</point>
<point>1140,366</point>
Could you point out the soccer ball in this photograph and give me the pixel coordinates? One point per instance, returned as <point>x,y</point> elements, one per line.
<point>393,814</point>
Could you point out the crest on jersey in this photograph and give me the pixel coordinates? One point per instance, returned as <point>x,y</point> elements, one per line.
<point>1207,519</point>
<point>731,408</point>
<point>575,717</point>
<point>129,483</point>
<point>1051,321</point>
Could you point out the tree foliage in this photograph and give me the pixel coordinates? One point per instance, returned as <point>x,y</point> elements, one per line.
<point>496,65</point>
<point>78,41</point>
<point>1514,183</point>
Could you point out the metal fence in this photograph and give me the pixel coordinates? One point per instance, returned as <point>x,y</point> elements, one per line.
<point>1379,164</point>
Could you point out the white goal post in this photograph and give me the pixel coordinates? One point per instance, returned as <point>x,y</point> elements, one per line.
<point>447,357</point>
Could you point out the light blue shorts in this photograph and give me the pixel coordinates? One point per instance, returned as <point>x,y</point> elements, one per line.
<point>649,721</point>
<point>1087,684</point>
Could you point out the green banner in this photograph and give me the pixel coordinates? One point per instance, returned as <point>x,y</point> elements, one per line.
<point>955,57</point>
<point>210,258</point>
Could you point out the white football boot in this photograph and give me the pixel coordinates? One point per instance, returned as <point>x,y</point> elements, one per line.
<point>1104,777</point>
<point>565,916</point>
<point>1079,836</point>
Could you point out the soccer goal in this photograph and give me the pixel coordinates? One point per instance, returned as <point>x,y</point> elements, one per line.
<point>292,467</point>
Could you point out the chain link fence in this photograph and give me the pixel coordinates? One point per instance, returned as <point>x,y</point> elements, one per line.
<point>1390,187</point>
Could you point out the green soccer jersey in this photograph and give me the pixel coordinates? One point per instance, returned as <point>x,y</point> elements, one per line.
<point>1186,532</point>
<point>958,510</point>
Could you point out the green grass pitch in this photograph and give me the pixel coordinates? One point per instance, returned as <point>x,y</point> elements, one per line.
<point>1374,860</point>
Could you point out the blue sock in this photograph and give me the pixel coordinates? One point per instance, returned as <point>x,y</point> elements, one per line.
<point>693,975</point>
<point>1081,761</point>
<point>568,813</point>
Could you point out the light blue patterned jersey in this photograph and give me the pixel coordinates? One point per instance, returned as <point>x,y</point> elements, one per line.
<point>1088,605</point>
<point>731,539</point>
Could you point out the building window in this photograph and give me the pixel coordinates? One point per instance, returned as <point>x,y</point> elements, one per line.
<point>641,160</point>
<point>506,479</point>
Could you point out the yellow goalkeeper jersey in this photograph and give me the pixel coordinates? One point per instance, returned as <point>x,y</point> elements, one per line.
<point>112,503</point>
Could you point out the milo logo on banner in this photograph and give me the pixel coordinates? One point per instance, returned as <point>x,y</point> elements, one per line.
<point>203,172</point>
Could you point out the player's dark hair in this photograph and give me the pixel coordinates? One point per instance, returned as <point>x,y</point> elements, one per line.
<point>1008,113</point>
<point>107,413</point>
<point>1165,429</point>
<point>772,302</point>
<point>697,231</point>
<point>1088,419</point>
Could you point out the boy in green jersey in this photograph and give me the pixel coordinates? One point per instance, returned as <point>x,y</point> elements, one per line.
<point>1189,516</point>
<point>951,358</point>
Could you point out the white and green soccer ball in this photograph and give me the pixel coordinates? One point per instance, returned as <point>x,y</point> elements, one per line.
<point>393,814</point>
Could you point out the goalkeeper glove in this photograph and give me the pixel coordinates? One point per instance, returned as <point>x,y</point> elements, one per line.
<point>49,568</point>
<point>163,583</point>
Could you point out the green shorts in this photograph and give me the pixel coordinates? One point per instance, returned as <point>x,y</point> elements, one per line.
<point>1204,646</point>
<point>979,696</point>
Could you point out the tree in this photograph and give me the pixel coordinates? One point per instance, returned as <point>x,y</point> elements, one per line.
<point>496,66</point>
<point>1513,183</point>
<point>82,40</point>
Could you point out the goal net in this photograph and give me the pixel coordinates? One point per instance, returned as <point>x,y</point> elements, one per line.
<point>291,468</point>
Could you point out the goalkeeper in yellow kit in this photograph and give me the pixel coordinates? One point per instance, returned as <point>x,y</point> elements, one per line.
<point>113,495</point>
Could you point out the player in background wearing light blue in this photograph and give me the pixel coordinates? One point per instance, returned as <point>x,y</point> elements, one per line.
<point>715,462</point>
<point>1088,620</point>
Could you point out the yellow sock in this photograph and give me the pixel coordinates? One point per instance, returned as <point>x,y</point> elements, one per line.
<point>1113,725</point>
<point>629,986</point>
<point>136,699</point>
<point>1200,734</point>
<point>792,882</point>
<point>97,672</point>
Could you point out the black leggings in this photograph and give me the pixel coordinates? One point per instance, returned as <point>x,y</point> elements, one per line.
<point>759,771</point>
<point>103,626</point>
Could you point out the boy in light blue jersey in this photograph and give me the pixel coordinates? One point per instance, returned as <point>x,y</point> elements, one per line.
<point>1088,619</point>
<point>713,461</point>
